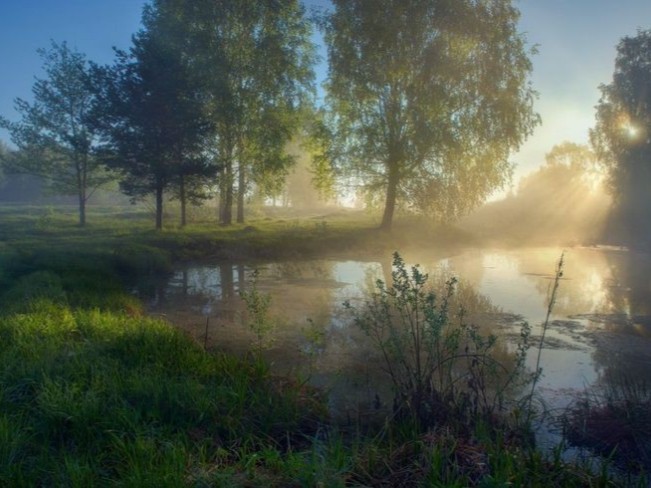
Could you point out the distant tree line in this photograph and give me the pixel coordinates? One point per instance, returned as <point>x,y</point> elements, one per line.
<point>425,101</point>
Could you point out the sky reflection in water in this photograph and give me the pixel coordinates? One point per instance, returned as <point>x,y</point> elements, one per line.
<point>600,327</point>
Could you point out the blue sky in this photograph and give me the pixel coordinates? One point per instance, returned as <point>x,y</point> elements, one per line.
<point>576,41</point>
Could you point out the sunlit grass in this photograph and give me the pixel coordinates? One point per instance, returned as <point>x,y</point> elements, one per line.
<point>92,395</point>
<point>34,228</point>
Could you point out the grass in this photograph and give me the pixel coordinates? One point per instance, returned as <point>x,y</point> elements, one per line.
<point>614,420</point>
<point>92,393</point>
<point>103,396</point>
<point>259,238</point>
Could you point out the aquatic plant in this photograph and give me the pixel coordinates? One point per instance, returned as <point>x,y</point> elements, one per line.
<point>256,315</point>
<point>613,420</point>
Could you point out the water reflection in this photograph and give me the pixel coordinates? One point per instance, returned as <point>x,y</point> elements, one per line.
<point>601,322</point>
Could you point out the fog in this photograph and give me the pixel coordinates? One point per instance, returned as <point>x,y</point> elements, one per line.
<point>563,202</point>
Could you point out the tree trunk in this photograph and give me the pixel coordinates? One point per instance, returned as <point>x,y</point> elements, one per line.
<point>226,196</point>
<point>392,192</point>
<point>81,192</point>
<point>159,206</point>
<point>222,203</point>
<point>182,197</point>
<point>241,190</point>
<point>82,210</point>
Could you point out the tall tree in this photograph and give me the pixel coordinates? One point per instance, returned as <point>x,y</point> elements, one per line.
<point>311,182</point>
<point>429,98</point>
<point>153,115</point>
<point>256,58</point>
<point>56,136</point>
<point>622,136</point>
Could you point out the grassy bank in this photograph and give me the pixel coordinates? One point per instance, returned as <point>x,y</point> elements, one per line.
<point>92,393</point>
<point>95,398</point>
<point>262,237</point>
<point>90,396</point>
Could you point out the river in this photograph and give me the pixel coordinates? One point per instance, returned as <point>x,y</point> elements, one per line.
<point>600,328</point>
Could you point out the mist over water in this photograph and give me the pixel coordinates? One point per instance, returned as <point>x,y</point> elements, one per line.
<point>601,323</point>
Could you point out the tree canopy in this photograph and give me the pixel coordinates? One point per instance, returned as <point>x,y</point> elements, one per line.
<point>256,59</point>
<point>622,136</point>
<point>429,97</point>
<point>56,136</point>
<point>152,113</point>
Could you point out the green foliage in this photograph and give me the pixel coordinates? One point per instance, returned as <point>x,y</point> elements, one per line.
<point>84,280</point>
<point>153,115</point>
<point>562,201</point>
<point>46,220</point>
<point>95,396</point>
<point>255,60</point>
<point>56,135</point>
<point>139,260</point>
<point>257,316</point>
<point>443,371</point>
<point>621,136</point>
<point>33,288</point>
<point>426,96</point>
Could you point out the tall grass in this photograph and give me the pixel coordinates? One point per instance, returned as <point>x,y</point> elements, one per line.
<point>553,291</point>
<point>94,395</point>
<point>614,420</point>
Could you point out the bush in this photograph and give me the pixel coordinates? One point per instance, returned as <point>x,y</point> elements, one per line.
<point>443,370</point>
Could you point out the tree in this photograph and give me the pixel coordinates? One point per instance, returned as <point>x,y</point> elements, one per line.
<point>256,58</point>
<point>560,202</point>
<point>622,136</point>
<point>153,116</point>
<point>311,181</point>
<point>563,200</point>
<point>56,137</point>
<point>429,98</point>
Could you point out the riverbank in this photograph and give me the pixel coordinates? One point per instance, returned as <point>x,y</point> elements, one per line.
<point>96,394</point>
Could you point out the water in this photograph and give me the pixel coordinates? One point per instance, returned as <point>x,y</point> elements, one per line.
<point>600,327</point>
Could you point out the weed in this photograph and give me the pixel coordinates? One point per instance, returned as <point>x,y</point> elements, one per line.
<point>257,316</point>
<point>550,307</point>
<point>614,421</point>
<point>443,371</point>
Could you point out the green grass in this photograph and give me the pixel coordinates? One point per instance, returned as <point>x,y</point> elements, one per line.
<point>99,396</point>
<point>32,228</point>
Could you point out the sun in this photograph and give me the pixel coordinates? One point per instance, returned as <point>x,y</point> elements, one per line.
<point>628,128</point>
<point>631,131</point>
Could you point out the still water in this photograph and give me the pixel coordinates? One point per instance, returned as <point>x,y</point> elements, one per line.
<point>600,328</point>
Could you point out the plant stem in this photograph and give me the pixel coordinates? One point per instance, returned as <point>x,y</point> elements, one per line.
<point>550,307</point>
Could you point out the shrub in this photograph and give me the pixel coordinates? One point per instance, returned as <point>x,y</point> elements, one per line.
<point>442,369</point>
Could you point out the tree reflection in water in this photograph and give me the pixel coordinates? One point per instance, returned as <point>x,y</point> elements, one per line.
<point>602,313</point>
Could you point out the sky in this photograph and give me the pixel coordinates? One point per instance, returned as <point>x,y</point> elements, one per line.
<point>576,42</point>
